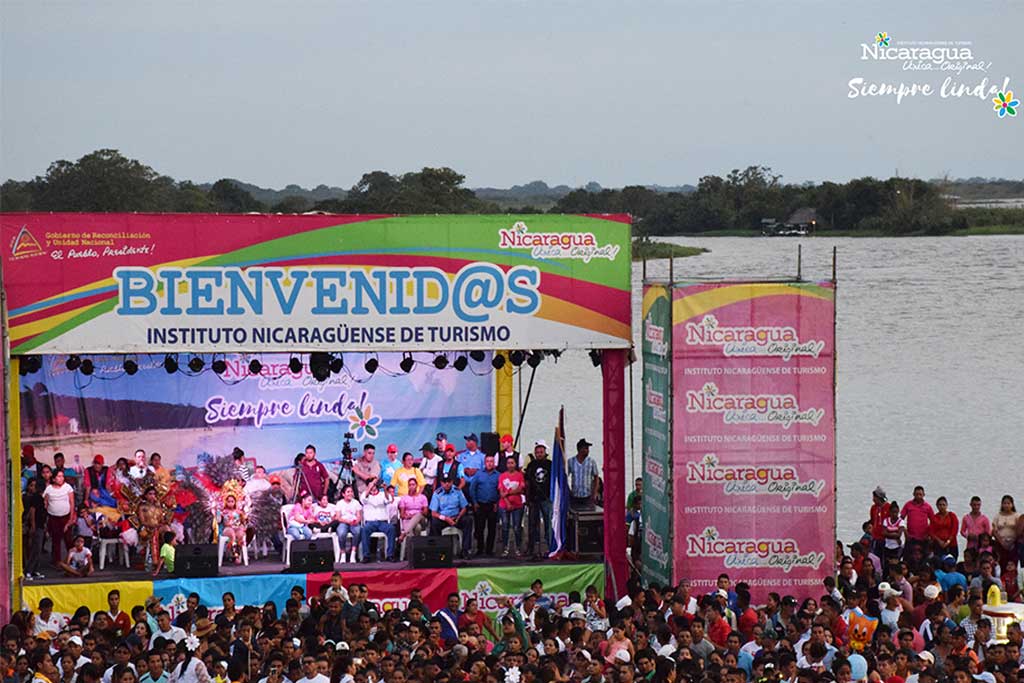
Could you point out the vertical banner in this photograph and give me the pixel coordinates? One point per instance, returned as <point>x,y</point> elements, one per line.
<point>657,467</point>
<point>754,434</point>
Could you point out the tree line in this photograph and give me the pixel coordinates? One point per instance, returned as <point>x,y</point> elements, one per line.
<point>107,181</point>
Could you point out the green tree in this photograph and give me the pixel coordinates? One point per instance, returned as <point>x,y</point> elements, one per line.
<point>228,197</point>
<point>103,180</point>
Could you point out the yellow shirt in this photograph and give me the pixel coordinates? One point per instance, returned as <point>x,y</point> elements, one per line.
<point>402,477</point>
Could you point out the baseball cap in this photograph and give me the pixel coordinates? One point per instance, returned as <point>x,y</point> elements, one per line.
<point>75,640</point>
<point>576,614</point>
<point>623,656</point>
<point>722,593</point>
<point>471,437</point>
<point>449,447</point>
<point>274,479</point>
<point>624,602</point>
<point>507,438</point>
<point>667,651</point>
<point>341,647</point>
<point>583,443</point>
<point>985,677</point>
<point>926,656</point>
<point>153,600</point>
<point>948,559</point>
<point>931,592</point>
<point>789,600</point>
<point>540,442</point>
<point>392,448</point>
<point>427,446</point>
<point>441,436</point>
<point>586,655</point>
<point>879,493</point>
<point>98,459</point>
<point>885,590</point>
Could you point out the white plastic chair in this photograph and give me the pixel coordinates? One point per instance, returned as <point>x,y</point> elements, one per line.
<point>222,542</point>
<point>286,511</point>
<point>106,544</point>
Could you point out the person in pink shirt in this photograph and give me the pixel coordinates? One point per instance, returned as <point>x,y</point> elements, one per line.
<point>412,511</point>
<point>511,486</point>
<point>918,513</point>
<point>974,524</point>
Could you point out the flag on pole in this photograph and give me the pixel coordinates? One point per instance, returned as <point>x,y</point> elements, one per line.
<point>559,491</point>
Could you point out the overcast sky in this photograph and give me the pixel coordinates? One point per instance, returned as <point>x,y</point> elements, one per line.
<point>505,92</point>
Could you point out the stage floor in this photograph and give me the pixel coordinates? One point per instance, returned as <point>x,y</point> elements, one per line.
<point>273,565</point>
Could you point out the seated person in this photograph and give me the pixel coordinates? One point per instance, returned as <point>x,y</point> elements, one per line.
<point>449,508</point>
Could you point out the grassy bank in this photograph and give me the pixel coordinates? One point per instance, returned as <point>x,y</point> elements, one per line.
<point>653,250</point>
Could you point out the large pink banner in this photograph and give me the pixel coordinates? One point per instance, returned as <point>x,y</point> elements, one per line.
<point>754,434</point>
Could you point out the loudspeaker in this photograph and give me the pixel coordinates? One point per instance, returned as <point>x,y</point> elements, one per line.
<point>195,560</point>
<point>587,528</point>
<point>312,556</point>
<point>489,443</point>
<point>432,552</point>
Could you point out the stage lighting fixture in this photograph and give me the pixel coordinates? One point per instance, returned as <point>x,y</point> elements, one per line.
<point>87,367</point>
<point>72,363</point>
<point>295,366</point>
<point>533,360</point>
<point>170,364</point>
<point>441,362</point>
<point>130,366</point>
<point>595,357</point>
<point>320,366</point>
<point>371,365</point>
<point>31,364</point>
<point>460,363</point>
<point>255,366</point>
<point>22,369</point>
<point>337,363</point>
<point>498,362</point>
<point>407,363</point>
<point>478,356</point>
<point>517,357</point>
<point>554,353</point>
<point>196,364</point>
<point>219,366</point>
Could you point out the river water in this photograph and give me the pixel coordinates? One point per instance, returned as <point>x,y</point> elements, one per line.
<point>930,383</point>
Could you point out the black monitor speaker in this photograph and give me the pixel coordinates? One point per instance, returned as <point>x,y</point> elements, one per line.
<point>195,560</point>
<point>432,552</point>
<point>312,556</point>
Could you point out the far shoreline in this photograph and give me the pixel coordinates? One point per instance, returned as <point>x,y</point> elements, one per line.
<point>980,231</point>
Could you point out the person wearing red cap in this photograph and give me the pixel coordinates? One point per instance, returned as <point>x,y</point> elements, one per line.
<point>391,465</point>
<point>96,483</point>
<point>507,451</point>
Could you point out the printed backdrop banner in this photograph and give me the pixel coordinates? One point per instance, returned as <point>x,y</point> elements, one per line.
<point>657,430</point>
<point>391,589</point>
<point>489,584</point>
<point>271,416</point>
<point>754,434</point>
<point>134,283</point>
<point>248,590</point>
<point>67,597</point>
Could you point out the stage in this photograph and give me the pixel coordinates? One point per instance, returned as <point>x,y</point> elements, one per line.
<point>265,580</point>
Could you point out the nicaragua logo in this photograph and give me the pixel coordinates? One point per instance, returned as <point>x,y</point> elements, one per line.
<point>654,335</point>
<point>774,409</point>
<point>655,400</point>
<point>783,342</point>
<point>743,553</point>
<point>25,244</point>
<point>556,245</point>
<point>773,480</point>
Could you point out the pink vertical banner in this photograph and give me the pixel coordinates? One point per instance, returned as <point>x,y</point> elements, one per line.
<point>6,486</point>
<point>754,434</point>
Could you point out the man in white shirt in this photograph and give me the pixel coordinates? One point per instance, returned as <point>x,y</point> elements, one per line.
<point>165,630</point>
<point>429,464</point>
<point>259,481</point>
<point>310,671</point>
<point>140,469</point>
<point>377,519</point>
<point>122,655</point>
<point>47,620</point>
<point>75,650</point>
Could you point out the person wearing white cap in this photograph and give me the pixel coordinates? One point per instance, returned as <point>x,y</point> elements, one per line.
<point>75,650</point>
<point>538,496</point>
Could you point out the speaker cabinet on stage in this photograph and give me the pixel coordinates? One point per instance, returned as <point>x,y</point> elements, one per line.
<point>586,528</point>
<point>432,552</point>
<point>489,443</point>
<point>195,560</point>
<point>312,556</point>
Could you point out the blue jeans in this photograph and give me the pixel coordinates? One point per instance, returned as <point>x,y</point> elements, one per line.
<point>512,520</point>
<point>540,511</point>
<point>300,533</point>
<point>386,528</point>
<point>344,530</point>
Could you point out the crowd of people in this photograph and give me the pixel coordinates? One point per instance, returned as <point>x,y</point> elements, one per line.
<point>904,605</point>
<point>487,497</point>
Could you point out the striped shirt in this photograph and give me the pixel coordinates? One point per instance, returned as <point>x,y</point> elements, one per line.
<point>581,477</point>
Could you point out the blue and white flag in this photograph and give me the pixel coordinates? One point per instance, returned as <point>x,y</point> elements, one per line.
<point>559,490</point>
